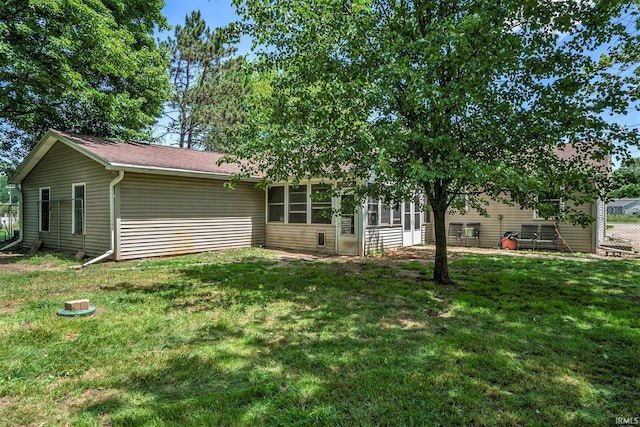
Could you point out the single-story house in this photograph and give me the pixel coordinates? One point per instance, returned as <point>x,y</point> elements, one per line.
<point>623,206</point>
<point>116,200</point>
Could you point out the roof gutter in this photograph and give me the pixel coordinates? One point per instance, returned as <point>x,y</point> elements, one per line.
<point>17,242</point>
<point>112,219</point>
<point>177,172</point>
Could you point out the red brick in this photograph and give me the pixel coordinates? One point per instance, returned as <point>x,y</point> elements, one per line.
<point>79,304</point>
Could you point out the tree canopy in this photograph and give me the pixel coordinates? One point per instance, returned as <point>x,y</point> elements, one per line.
<point>445,98</point>
<point>80,66</point>
<point>625,181</point>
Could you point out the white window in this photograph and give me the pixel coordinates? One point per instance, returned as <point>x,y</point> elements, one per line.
<point>45,209</point>
<point>78,211</point>
<point>298,205</point>
<point>275,204</point>
<point>552,207</point>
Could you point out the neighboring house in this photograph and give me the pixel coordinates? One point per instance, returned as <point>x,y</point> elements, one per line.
<point>623,206</point>
<point>115,200</point>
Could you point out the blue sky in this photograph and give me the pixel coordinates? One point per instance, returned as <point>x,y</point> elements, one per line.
<point>216,13</point>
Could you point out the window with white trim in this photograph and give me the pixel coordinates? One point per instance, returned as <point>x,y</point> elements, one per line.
<point>275,204</point>
<point>78,203</point>
<point>45,209</point>
<point>552,209</point>
<point>298,205</point>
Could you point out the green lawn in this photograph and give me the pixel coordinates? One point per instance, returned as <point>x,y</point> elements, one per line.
<point>623,218</point>
<point>234,338</point>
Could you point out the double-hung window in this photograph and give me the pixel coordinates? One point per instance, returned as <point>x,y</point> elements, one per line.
<point>550,207</point>
<point>45,211</point>
<point>298,205</point>
<point>78,203</point>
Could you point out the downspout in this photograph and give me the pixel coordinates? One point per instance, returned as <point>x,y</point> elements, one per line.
<point>20,218</point>
<point>112,219</point>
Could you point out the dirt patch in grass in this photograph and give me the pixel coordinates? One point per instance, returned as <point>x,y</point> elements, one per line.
<point>423,253</point>
<point>8,307</point>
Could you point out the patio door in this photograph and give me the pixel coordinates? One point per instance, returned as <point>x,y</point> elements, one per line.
<point>411,224</point>
<point>348,227</point>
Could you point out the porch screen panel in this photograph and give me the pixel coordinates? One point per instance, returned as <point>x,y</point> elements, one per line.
<point>320,204</point>
<point>407,216</point>
<point>298,205</point>
<point>275,202</point>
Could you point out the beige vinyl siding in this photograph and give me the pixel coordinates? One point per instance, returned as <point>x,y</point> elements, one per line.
<point>164,215</point>
<point>59,169</point>
<point>301,237</point>
<point>428,234</point>
<point>382,238</point>
<point>492,229</point>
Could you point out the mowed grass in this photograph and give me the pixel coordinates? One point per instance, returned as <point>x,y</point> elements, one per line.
<point>234,338</point>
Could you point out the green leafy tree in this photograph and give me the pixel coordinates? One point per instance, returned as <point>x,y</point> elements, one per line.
<point>81,66</point>
<point>625,181</point>
<point>443,98</point>
<point>205,78</point>
<point>4,191</point>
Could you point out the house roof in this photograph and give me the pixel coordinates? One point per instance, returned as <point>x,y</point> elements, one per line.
<point>624,203</point>
<point>133,156</point>
<point>568,151</point>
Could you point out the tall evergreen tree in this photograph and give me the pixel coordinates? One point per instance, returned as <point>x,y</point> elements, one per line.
<point>204,77</point>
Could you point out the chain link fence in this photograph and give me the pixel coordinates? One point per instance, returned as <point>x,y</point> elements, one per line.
<point>9,222</point>
<point>622,231</point>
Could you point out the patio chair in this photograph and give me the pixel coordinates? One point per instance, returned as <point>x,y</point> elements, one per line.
<point>528,236</point>
<point>472,233</point>
<point>456,230</point>
<point>547,236</point>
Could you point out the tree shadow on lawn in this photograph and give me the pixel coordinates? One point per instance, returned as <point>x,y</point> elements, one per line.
<point>306,344</point>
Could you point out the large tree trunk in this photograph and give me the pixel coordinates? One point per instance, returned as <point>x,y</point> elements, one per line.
<point>441,266</point>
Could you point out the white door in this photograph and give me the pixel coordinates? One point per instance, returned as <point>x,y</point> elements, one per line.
<point>348,227</point>
<point>411,224</point>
